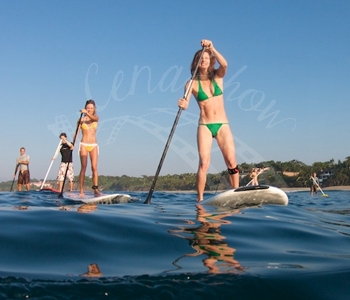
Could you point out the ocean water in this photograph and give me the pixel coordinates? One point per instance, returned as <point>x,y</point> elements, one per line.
<point>173,248</point>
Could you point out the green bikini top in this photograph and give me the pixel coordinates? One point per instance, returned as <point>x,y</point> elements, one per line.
<point>202,96</point>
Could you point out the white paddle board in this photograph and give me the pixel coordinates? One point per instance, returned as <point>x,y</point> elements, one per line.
<point>249,196</point>
<point>89,197</point>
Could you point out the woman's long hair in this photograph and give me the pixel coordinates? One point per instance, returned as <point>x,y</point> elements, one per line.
<point>211,69</point>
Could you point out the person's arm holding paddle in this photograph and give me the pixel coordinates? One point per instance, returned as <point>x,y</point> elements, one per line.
<point>23,162</point>
<point>185,102</point>
<point>65,141</point>
<point>16,168</point>
<point>91,116</point>
<point>221,70</point>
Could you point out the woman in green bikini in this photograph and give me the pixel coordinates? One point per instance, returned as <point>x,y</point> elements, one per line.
<point>207,88</point>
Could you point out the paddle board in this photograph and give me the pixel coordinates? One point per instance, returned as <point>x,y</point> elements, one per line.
<point>50,190</point>
<point>89,197</point>
<point>249,196</point>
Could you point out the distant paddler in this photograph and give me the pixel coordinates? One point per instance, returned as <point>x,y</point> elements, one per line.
<point>254,175</point>
<point>315,186</point>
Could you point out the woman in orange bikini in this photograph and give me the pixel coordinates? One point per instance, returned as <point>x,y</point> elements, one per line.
<point>88,145</point>
<point>207,88</point>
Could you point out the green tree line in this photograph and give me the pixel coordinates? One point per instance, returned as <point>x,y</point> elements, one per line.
<point>293,173</point>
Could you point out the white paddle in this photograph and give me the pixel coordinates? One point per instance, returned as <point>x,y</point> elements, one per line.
<point>53,158</point>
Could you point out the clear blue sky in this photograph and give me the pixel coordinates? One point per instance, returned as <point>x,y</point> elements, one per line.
<point>287,87</point>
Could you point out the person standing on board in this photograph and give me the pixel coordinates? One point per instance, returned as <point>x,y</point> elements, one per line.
<point>207,88</point>
<point>314,185</point>
<point>254,176</point>
<point>255,173</point>
<point>23,175</point>
<point>66,160</point>
<point>88,145</point>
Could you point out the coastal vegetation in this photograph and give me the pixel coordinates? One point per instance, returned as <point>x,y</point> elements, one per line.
<point>293,173</point>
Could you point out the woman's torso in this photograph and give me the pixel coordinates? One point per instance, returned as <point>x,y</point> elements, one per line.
<point>88,129</point>
<point>212,109</point>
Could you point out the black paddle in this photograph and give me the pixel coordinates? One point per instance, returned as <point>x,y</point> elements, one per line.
<point>148,200</point>
<point>70,157</point>
<point>14,177</point>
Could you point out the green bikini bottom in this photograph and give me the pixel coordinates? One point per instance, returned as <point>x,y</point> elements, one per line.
<point>213,127</point>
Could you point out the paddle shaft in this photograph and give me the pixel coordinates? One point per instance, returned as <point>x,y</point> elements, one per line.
<point>14,177</point>
<point>47,173</point>
<point>150,193</point>
<point>70,157</point>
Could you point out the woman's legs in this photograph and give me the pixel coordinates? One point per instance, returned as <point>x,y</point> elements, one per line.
<point>204,143</point>
<point>94,159</point>
<point>83,161</point>
<point>227,147</point>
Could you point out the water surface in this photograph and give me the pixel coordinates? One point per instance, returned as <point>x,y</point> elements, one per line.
<point>173,249</point>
